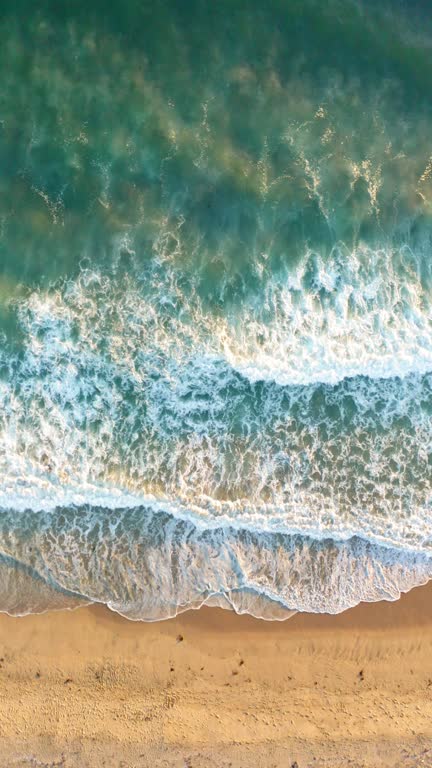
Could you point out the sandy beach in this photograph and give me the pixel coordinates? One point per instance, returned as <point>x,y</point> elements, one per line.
<point>88,688</point>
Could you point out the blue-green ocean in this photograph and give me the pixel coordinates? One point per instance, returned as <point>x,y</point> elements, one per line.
<point>215,304</point>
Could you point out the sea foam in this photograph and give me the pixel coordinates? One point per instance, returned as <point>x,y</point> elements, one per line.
<point>128,424</point>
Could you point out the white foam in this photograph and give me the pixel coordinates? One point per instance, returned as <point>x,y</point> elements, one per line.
<point>360,315</point>
<point>120,402</point>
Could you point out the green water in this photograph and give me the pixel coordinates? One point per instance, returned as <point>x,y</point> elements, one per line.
<point>215,302</point>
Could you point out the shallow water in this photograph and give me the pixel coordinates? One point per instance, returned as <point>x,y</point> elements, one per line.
<point>215,305</point>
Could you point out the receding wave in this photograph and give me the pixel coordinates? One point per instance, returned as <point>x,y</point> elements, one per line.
<point>151,565</point>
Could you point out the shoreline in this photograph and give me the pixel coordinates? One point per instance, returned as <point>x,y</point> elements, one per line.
<point>211,688</point>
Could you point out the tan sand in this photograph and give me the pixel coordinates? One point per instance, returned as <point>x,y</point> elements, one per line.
<point>87,688</point>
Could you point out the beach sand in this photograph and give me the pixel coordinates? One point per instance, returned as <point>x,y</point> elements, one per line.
<point>88,688</point>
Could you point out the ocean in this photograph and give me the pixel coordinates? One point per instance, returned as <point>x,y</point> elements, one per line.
<point>215,304</point>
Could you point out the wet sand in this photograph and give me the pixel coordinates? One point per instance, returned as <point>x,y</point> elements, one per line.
<point>209,688</point>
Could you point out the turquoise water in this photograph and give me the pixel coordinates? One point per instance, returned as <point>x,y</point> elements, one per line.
<point>215,305</point>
